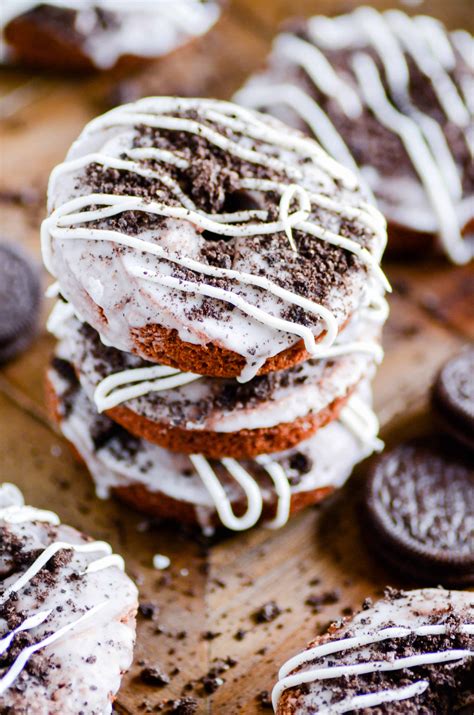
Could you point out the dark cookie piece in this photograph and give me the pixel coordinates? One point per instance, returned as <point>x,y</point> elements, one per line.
<point>20,300</point>
<point>453,397</point>
<point>419,501</point>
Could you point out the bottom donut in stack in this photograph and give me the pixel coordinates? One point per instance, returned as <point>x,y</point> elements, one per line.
<point>212,451</point>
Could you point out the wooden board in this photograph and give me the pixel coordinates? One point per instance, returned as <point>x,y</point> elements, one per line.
<point>212,589</point>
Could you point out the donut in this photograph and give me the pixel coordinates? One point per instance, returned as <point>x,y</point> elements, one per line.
<point>92,35</point>
<point>209,493</point>
<point>20,301</point>
<point>452,397</point>
<point>411,652</point>
<point>390,95</point>
<point>67,615</point>
<point>210,238</point>
<point>419,511</point>
<point>218,417</point>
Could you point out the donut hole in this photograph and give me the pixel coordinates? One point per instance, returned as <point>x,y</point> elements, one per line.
<point>240,200</point>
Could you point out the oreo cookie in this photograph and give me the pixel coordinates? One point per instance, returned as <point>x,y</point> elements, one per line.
<point>20,301</point>
<point>452,397</point>
<point>419,504</point>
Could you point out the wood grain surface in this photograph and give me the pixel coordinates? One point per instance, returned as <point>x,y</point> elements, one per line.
<point>211,591</point>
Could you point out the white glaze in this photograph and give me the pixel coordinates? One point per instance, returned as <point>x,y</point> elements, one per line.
<point>333,451</point>
<point>149,292</point>
<point>352,358</point>
<point>356,648</point>
<point>145,28</point>
<point>436,204</point>
<point>70,618</point>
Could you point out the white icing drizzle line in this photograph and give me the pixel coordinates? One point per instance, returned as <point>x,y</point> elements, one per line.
<point>31,622</point>
<point>52,549</point>
<point>118,387</point>
<point>285,680</point>
<point>62,223</point>
<point>362,421</point>
<point>357,417</point>
<point>221,501</point>
<point>12,674</point>
<point>14,511</point>
<point>390,34</point>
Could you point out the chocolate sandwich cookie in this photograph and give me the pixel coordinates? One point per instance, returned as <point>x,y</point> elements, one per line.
<point>67,614</point>
<point>85,35</point>
<point>218,417</point>
<point>211,238</point>
<point>390,95</point>
<point>419,504</point>
<point>208,493</point>
<point>452,397</point>
<point>20,300</point>
<point>412,653</point>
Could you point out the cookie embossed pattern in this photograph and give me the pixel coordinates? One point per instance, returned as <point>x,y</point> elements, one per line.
<point>220,305</point>
<point>392,96</point>
<point>64,641</point>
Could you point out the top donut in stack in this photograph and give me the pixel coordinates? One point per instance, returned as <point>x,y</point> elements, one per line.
<point>221,294</point>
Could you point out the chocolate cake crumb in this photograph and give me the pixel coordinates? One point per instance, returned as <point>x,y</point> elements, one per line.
<point>267,613</point>
<point>240,634</point>
<point>148,610</point>
<point>264,700</point>
<point>183,706</point>
<point>154,676</point>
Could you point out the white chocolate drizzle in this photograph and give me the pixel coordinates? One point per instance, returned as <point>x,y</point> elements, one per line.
<point>392,35</point>
<point>69,221</point>
<point>287,680</point>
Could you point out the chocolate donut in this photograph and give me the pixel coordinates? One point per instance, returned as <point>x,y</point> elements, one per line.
<point>412,652</point>
<point>212,416</point>
<point>85,35</point>
<point>192,489</point>
<point>207,237</point>
<point>419,505</point>
<point>67,614</point>
<point>452,397</point>
<point>392,95</point>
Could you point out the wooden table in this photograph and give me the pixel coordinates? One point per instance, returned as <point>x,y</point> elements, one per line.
<point>210,592</point>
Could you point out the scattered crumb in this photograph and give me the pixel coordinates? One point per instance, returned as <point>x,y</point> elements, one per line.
<point>267,613</point>
<point>154,676</point>
<point>161,562</point>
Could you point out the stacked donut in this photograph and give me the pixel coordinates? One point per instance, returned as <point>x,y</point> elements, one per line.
<point>220,304</point>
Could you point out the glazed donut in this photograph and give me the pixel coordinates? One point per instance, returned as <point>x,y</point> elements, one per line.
<point>85,35</point>
<point>207,237</point>
<point>218,417</point>
<point>412,652</point>
<point>393,96</point>
<point>67,615</point>
<point>209,493</point>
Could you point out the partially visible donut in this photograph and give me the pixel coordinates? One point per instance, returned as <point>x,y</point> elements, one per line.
<point>212,238</point>
<point>411,652</point>
<point>87,35</point>
<point>67,612</point>
<point>391,95</point>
